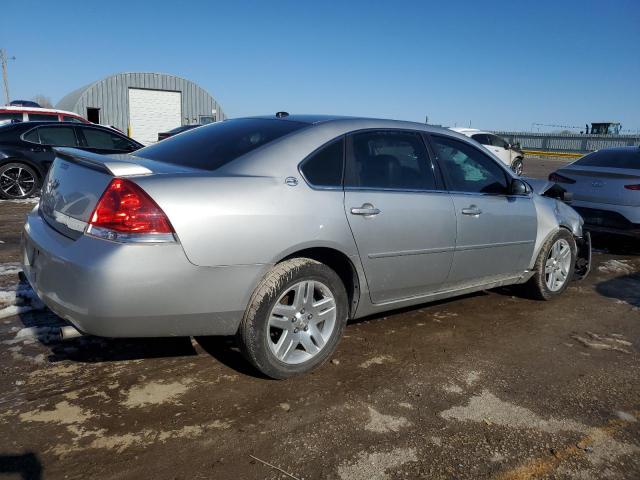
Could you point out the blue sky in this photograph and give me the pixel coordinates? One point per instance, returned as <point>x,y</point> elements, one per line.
<point>495,64</point>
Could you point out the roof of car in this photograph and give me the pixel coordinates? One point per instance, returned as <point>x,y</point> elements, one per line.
<point>12,108</point>
<point>469,131</point>
<point>355,122</point>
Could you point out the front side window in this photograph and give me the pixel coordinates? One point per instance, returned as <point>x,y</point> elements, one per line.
<point>497,141</point>
<point>43,117</point>
<point>100,139</point>
<point>389,160</point>
<point>57,136</point>
<point>324,167</point>
<point>468,169</point>
<point>217,144</point>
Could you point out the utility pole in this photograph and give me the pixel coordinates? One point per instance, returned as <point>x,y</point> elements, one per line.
<point>4,59</point>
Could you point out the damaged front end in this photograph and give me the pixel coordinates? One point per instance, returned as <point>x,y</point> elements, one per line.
<point>559,200</point>
<point>583,257</point>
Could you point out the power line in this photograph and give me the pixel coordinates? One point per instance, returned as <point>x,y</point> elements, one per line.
<point>5,77</point>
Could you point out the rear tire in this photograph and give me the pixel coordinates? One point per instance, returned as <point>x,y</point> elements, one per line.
<point>554,267</point>
<point>295,318</point>
<point>17,181</point>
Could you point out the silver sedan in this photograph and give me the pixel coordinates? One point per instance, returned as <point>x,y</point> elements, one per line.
<point>280,229</point>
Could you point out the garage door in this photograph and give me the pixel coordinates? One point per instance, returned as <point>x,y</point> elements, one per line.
<point>153,111</point>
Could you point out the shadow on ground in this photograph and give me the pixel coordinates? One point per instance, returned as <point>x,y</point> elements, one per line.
<point>27,466</point>
<point>625,288</point>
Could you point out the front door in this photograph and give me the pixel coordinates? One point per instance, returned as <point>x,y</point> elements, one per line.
<point>500,149</point>
<point>403,223</point>
<point>496,231</point>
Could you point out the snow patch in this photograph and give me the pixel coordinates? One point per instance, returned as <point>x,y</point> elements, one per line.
<point>616,266</point>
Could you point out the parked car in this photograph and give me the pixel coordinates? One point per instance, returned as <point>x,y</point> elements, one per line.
<point>605,186</point>
<point>279,229</point>
<point>509,154</point>
<point>27,151</point>
<point>35,114</point>
<point>175,131</point>
<point>24,103</point>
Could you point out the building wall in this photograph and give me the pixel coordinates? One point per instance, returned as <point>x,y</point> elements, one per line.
<point>111,95</point>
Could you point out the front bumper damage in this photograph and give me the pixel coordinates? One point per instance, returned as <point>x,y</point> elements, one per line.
<point>583,257</point>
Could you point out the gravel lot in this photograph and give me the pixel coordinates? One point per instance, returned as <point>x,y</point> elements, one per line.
<point>490,385</point>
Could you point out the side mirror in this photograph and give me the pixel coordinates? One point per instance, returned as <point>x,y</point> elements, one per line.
<point>519,187</point>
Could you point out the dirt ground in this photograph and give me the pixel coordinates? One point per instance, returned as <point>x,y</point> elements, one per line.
<point>490,385</point>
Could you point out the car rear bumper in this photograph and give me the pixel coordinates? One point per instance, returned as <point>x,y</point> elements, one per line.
<point>619,219</point>
<point>121,290</point>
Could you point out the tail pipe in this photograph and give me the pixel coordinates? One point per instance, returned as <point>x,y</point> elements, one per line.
<point>68,332</point>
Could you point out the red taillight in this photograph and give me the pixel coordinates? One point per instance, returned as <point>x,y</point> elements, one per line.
<point>125,208</point>
<point>556,177</point>
<point>632,187</point>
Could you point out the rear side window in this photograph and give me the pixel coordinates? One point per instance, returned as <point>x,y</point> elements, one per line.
<point>57,136</point>
<point>32,136</point>
<point>37,117</point>
<point>389,160</point>
<point>324,167</point>
<point>217,144</point>
<point>467,169</point>
<point>100,139</point>
<point>616,158</point>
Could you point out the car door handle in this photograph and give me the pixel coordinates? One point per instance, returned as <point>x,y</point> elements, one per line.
<point>367,210</point>
<point>471,210</point>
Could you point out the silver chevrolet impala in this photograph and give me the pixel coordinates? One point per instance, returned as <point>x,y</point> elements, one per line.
<point>279,229</point>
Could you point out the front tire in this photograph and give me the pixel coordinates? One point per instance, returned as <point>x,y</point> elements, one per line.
<point>295,318</point>
<point>517,166</point>
<point>554,267</point>
<point>17,181</point>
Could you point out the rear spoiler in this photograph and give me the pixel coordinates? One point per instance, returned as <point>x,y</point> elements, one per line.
<point>104,163</point>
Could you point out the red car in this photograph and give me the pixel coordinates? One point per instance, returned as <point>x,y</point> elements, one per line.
<point>26,114</point>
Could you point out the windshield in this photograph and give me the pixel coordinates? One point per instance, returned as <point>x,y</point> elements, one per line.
<point>217,144</point>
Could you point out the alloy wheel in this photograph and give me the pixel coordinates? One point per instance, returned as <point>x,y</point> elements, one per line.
<point>558,265</point>
<point>16,182</point>
<point>301,322</point>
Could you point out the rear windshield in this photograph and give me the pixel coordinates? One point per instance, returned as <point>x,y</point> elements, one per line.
<point>617,158</point>
<point>217,144</point>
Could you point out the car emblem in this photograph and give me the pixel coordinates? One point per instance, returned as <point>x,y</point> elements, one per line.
<point>597,184</point>
<point>291,181</point>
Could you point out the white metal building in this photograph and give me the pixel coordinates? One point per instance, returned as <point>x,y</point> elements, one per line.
<point>143,104</point>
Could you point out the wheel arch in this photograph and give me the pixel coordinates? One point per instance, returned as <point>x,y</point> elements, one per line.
<point>340,263</point>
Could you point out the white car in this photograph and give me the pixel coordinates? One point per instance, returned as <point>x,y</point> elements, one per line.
<point>510,155</point>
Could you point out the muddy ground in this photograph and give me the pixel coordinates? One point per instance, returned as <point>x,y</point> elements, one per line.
<point>490,385</point>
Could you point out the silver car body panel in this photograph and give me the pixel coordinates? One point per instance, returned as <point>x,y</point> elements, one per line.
<point>233,224</point>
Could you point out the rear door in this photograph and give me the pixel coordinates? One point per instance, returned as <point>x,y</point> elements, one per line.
<point>496,231</point>
<point>402,220</point>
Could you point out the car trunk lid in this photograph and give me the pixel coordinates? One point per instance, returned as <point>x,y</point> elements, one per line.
<point>603,185</point>
<point>77,179</point>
